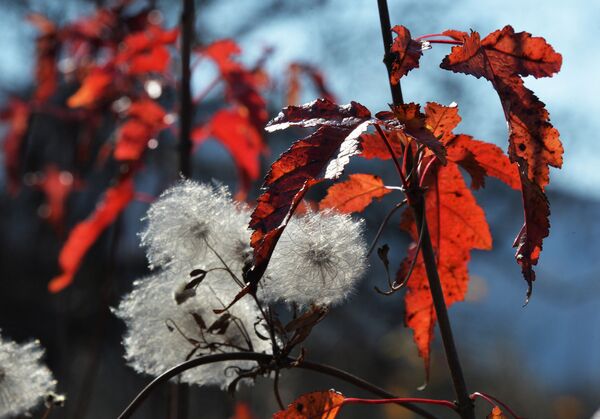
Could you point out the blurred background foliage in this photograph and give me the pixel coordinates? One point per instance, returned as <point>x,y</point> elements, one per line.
<point>542,359</point>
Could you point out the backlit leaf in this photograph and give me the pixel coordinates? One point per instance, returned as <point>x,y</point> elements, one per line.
<point>354,194</point>
<point>316,405</point>
<point>321,155</point>
<point>457,225</point>
<point>503,57</point>
<point>85,234</point>
<point>93,89</point>
<point>407,53</point>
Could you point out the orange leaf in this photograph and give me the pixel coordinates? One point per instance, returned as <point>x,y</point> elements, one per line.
<point>316,405</point>
<point>92,89</point>
<point>242,411</point>
<point>233,129</point>
<point>496,414</point>
<point>146,119</point>
<point>354,194</point>
<point>85,234</point>
<point>373,146</point>
<point>441,120</point>
<point>482,159</point>
<point>457,225</point>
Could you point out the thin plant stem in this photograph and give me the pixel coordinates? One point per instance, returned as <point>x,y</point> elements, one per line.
<point>416,400</point>
<point>384,223</point>
<point>494,401</point>
<point>394,157</point>
<point>465,404</point>
<point>186,110</point>
<point>262,358</point>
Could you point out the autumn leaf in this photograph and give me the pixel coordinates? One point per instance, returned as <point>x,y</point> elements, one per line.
<point>85,234</point>
<point>409,119</point>
<point>146,51</point>
<point>354,194</point>
<point>92,90</point>
<point>47,46</point>
<point>241,84</point>
<point>316,405</point>
<point>407,53</point>
<point>478,158</point>
<point>503,58</point>
<point>482,159</point>
<point>373,147</point>
<point>16,115</point>
<point>146,119</point>
<point>57,185</point>
<point>321,155</point>
<point>295,70</point>
<point>242,411</point>
<point>234,131</point>
<point>496,413</point>
<point>457,225</point>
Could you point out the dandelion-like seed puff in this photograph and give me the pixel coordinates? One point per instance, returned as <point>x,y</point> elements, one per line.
<point>192,223</point>
<point>318,260</point>
<point>24,380</point>
<point>162,333</point>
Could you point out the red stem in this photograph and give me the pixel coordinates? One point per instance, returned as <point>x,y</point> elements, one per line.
<point>426,171</point>
<point>444,41</point>
<point>401,400</point>
<point>394,158</point>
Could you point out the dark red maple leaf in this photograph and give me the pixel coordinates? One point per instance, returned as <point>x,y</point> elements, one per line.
<point>321,155</point>
<point>503,57</point>
<point>407,53</point>
<point>85,234</point>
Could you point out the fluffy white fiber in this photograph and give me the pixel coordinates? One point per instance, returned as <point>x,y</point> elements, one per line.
<point>24,380</point>
<point>318,260</point>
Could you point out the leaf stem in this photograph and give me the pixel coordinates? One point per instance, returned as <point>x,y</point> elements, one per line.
<point>393,155</point>
<point>386,34</point>
<point>445,403</point>
<point>186,110</point>
<point>465,404</point>
<point>262,358</point>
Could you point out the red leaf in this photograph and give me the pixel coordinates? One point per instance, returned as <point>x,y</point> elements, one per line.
<point>354,194</point>
<point>503,57</point>
<point>233,129</point>
<point>17,116</point>
<point>373,146</point>
<point>93,89</point>
<point>47,45</point>
<point>321,155</point>
<point>496,413</point>
<point>295,70</point>
<point>482,159</point>
<point>242,411</point>
<point>407,54</point>
<point>85,234</point>
<point>442,120</point>
<point>457,225</point>
<point>316,405</point>
<point>145,51</point>
<point>242,84</point>
<point>56,185</point>
<point>146,120</point>
<point>414,124</point>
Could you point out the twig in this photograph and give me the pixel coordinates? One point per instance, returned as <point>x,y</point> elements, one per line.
<point>465,404</point>
<point>186,110</point>
<point>384,223</point>
<point>264,359</point>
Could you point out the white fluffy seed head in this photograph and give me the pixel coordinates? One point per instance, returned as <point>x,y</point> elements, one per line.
<point>190,222</point>
<point>161,333</point>
<point>318,260</point>
<point>24,380</point>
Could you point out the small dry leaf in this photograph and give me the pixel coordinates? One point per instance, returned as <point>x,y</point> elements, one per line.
<point>316,405</point>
